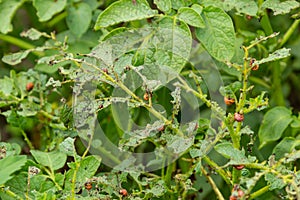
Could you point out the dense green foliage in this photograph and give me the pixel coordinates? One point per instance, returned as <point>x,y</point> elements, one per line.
<point>137,99</point>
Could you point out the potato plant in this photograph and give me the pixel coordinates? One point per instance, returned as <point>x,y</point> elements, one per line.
<point>137,99</point>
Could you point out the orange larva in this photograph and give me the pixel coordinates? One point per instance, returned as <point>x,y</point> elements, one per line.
<point>29,86</point>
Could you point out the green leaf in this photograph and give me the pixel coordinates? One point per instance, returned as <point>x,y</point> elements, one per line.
<point>227,150</point>
<point>274,123</point>
<point>6,86</point>
<point>279,7</point>
<point>275,183</point>
<point>158,189</point>
<point>278,54</point>
<point>163,5</point>
<point>35,182</point>
<point>79,18</point>
<point>15,120</point>
<point>87,169</point>
<point>46,9</point>
<point>28,108</point>
<point>54,160</point>
<point>165,47</point>
<point>9,149</point>
<point>15,58</point>
<point>53,83</point>
<point>33,34</point>
<point>7,11</point>
<point>180,144</point>
<point>10,165</point>
<point>214,3</point>
<point>176,4</point>
<point>124,11</point>
<point>197,8</point>
<point>231,89</point>
<point>68,147</point>
<point>18,185</point>
<point>296,122</point>
<point>295,155</point>
<point>138,58</point>
<point>285,146</point>
<point>218,36</point>
<point>94,4</point>
<point>175,49</point>
<point>248,7</point>
<point>191,17</point>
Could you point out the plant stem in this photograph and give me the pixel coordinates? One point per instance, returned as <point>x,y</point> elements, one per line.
<point>235,134</point>
<point>218,169</point>
<point>236,174</point>
<point>259,192</point>
<point>169,172</point>
<point>259,81</point>
<point>73,182</point>
<point>57,19</point>
<point>10,193</point>
<point>20,43</point>
<point>211,104</point>
<point>289,33</point>
<point>277,89</point>
<point>27,139</point>
<point>213,185</point>
<point>276,72</point>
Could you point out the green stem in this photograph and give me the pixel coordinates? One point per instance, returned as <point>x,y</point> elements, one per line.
<point>259,192</point>
<point>213,184</point>
<point>266,25</point>
<point>20,43</point>
<point>218,169</point>
<point>234,135</point>
<point>277,88</point>
<point>260,82</point>
<point>289,33</point>
<point>169,172</point>
<point>51,176</point>
<point>260,2</point>
<point>199,94</point>
<point>49,116</point>
<point>57,19</point>
<point>10,193</point>
<point>27,139</point>
<point>73,182</point>
<point>236,174</point>
<point>277,93</point>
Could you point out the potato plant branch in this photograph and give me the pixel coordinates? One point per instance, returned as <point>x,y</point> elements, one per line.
<point>20,43</point>
<point>10,193</point>
<point>89,146</point>
<point>213,105</point>
<point>259,192</point>
<point>289,33</point>
<point>276,69</point>
<point>235,133</point>
<point>218,169</point>
<point>127,90</point>
<point>27,139</point>
<point>57,19</point>
<point>213,185</point>
<point>119,83</point>
<point>51,176</point>
<point>73,181</point>
<point>168,175</point>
